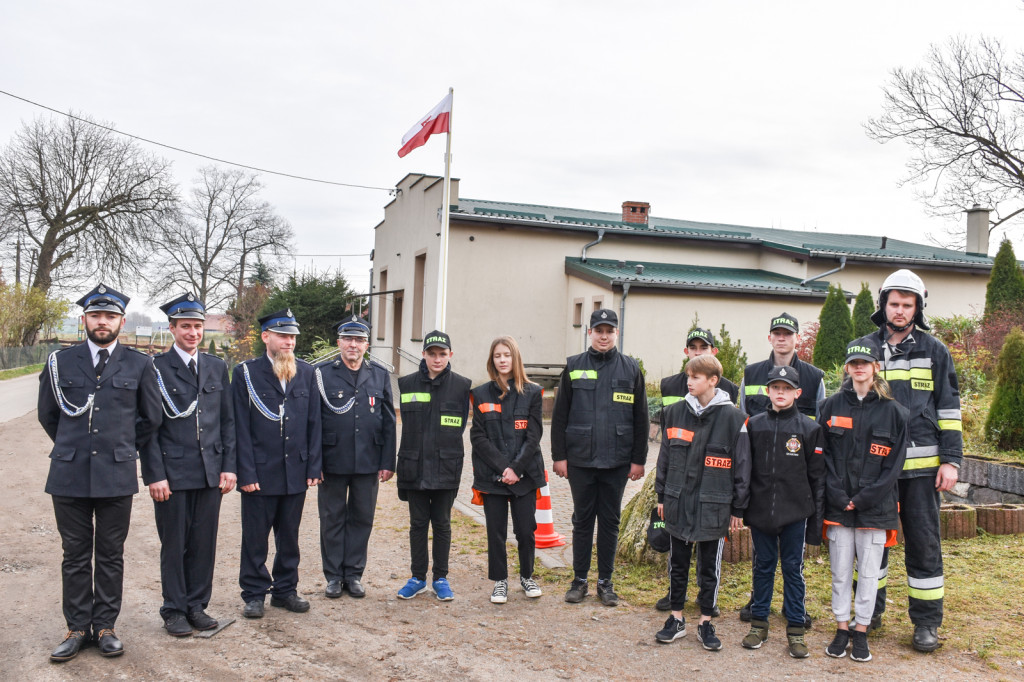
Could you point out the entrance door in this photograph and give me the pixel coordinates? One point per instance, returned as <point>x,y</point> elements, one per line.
<point>396,343</point>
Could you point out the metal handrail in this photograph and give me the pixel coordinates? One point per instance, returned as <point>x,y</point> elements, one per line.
<point>335,351</point>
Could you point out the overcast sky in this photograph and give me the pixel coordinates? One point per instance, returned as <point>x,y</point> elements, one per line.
<point>748,113</point>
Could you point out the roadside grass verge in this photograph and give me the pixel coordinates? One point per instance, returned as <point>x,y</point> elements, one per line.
<point>20,371</point>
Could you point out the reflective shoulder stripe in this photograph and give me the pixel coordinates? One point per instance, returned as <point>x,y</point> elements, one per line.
<point>841,422</point>
<point>950,425</point>
<point>667,400</point>
<point>415,398</point>
<point>755,390</point>
<point>489,407</point>
<point>676,433</point>
<point>582,374</point>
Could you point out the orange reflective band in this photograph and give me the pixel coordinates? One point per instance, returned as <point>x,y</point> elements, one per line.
<point>490,407</point>
<point>521,424</point>
<point>841,422</point>
<point>881,450</point>
<point>679,434</point>
<point>718,462</point>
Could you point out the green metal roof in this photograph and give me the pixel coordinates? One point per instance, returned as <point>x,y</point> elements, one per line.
<point>813,243</point>
<point>695,277</point>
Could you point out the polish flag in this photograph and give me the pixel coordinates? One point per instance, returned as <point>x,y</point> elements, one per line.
<point>437,121</point>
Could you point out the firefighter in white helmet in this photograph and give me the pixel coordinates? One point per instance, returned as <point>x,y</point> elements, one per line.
<point>920,372</point>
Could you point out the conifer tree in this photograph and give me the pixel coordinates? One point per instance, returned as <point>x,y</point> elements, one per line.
<point>1006,283</point>
<point>1005,423</point>
<point>213,347</point>
<point>835,330</point>
<point>862,309</point>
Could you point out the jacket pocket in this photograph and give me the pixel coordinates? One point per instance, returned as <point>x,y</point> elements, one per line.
<point>714,510</point>
<point>578,442</point>
<point>330,438</point>
<point>213,387</point>
<point>174,452</point>
<point>672,503</point>
<point>408,465</point>
<point>62,454</point>
<point>126,384</point>
<point>125,454</point>
<point>623,439</point>
<point>449,467</point>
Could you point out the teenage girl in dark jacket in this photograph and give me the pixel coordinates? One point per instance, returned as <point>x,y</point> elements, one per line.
<point>508,467</point>
<point>865,446</point>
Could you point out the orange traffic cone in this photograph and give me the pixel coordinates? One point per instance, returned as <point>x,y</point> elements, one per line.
<point>545,535</point>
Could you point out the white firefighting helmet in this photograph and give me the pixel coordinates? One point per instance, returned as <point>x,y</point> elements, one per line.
<point>902,280</point>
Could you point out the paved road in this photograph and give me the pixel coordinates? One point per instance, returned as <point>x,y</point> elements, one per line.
<point>18,396</point>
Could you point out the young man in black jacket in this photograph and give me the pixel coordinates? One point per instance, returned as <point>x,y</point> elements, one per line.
<point>787,490</point>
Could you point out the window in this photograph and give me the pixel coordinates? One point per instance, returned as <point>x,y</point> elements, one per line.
<point>577,313</point>
<point>382,306</point>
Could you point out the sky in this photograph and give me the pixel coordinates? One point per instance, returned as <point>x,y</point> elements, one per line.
<point>743,112</point>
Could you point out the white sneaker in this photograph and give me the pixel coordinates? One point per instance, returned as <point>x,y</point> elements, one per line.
<point>500,593</point>
<point>530,587</point>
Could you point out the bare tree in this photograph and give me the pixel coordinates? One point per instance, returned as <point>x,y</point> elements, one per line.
<point>221,227</point>
<point>85,200</point>
<point>962,114</point>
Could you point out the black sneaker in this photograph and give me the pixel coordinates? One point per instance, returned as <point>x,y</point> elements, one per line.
<point>837,649</point>
<point>606,593</point>
<point>577,591</point>
<point>664,604</point>
<point>859,652</point>
<point>745,614</point>
<point>673,630</point>
<point>706,636</point>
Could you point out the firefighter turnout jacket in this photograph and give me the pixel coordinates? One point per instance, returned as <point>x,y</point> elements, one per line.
<point>754,389</point>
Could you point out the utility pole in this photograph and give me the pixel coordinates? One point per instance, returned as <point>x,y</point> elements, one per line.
<point>17,262</point>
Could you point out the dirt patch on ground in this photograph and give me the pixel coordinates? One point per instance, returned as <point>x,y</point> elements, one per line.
<point>379,637</point>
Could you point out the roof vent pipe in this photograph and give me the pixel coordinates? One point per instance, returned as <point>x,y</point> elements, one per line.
<point>600,238</point>
<point>639,268</point>
<point>842,264</point>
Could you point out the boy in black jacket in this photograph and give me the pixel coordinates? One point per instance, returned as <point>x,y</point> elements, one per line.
<point>702,486</point>
<point>787,490</point>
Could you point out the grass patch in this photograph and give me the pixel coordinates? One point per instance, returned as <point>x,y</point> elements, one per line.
<point>20,371</point>
<point>975,409</point>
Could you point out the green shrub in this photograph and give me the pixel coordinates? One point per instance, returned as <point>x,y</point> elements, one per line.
<point>212,350</point>
<point>835,330</point>
<point>731,355</point>
<point>1005,425</point>
<point>862,309</point>
<point>1006,283</point>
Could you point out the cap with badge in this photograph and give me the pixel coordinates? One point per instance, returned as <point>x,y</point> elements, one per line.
<point>437,338</point>
<point>864,348</point>
<point>185,307</point>
<point>281,322</point>
<point>604,316</point>
<point>785,321</point>
<point>702,334</point>
<point>786,374</point>
<point>104,299</point>
<point>353,326</point>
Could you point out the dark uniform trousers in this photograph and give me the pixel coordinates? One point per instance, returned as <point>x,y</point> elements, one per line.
<point>347,503</point>
<point>709,567</point>
<point>433,507</point>
<point>94,472</point>
<point>596,495</point>
<point>524,524</point>
<point>260,515</point>
<point>187,525</point>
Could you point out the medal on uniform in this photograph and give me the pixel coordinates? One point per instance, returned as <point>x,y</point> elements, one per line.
<point>372,402</point>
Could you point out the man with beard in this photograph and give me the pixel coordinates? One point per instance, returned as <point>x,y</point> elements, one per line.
<point>358,418</point>
<point>277,426</point>
<point>188,466</point>
<point>99,404</point>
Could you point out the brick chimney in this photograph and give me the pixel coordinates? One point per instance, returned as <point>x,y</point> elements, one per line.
<point>635,212</point>
<point>977,230</point>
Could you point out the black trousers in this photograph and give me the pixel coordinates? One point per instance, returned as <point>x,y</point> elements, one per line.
<point>187,524</point>
<point>433,508</point>
<point>347,503</point>
<point>596,494</point>
<point>92,597</point>
<point>524,524</point>
<point>919,514</point>
<point>260,515</point>
<point>709,570</point>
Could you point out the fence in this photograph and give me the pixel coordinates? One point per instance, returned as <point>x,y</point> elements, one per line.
<point>22,356</point>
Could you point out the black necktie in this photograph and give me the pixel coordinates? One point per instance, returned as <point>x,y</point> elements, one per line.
<point>104,354</point>
<point>192,366</point>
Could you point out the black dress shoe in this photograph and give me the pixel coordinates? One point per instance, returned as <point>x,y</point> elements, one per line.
<point>109,644</point>
<point>333,590</point>
<point>176,624</point>
<point>253,609</point>
<point>292,602</point>
<point>355,588</point>
<point>69,648</point>
<point>200,620</point>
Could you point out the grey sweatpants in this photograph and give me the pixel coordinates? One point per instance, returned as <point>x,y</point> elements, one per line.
<point>865,545</point>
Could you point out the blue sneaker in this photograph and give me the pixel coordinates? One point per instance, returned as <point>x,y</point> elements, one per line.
<point>443,590</point>
<point>412,588</point>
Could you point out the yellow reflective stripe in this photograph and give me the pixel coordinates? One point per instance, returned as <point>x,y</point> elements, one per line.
<point>924,373</point>
<point>755,390</point>
<point>951,425</point>
<point>921,463</point>
<point>882,582</point>
<point>667,400</point>
<point>415,397</point>
<point>934,593</point>
<point>582,374</point>
<point>448,420</point>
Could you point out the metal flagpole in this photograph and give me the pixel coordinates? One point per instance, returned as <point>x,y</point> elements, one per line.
<point>442,284</point>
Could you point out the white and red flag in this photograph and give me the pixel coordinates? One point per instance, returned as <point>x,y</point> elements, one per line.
<point>437,121</point>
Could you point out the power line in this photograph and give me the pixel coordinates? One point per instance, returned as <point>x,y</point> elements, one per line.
<point>328,255</point>
<point>389,190</point>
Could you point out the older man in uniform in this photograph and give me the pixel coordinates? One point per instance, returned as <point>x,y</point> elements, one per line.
<point>98,402</point>
<point>188,466</point>
<point>358,418</point>
<point>277,426</point>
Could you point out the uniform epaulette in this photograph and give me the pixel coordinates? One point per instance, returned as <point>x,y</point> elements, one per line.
<point>305,362</point>
<point>140,352</point>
